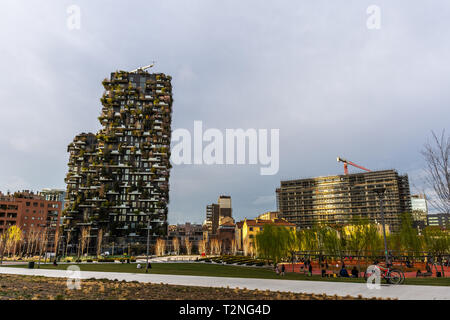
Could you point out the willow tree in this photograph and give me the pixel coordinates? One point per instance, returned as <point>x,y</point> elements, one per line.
<point>374,242</point>
<point>437,243</point>
<point>363,238</point>
<point>307,240</point>
<point>329,241</point>
<point>275,242</point>
<point>410,241</point>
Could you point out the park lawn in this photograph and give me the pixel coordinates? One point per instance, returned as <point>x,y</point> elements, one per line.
<point>218,270</point>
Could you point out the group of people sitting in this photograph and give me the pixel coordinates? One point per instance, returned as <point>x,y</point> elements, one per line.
<point>354,273</point>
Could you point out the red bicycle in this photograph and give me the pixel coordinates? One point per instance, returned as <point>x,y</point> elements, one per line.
<point>392,276</point>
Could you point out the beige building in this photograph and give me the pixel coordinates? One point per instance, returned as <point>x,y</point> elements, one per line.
<point>269,215</point>
<point>247,230</point>
<point>419,207</point>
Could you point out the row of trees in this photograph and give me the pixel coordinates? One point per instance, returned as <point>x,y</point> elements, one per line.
<point>360,238</point>
<point>13,242</point>
<point>213,246</point>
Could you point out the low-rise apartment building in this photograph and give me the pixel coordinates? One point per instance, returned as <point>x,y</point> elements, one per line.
<point>31,213</point>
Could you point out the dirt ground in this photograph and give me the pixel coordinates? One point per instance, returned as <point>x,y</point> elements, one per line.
<point>19,287</point>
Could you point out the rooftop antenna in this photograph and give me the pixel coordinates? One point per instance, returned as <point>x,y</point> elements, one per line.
<point>144,68</point>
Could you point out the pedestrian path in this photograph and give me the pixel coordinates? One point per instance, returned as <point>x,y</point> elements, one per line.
<point>402,292</point>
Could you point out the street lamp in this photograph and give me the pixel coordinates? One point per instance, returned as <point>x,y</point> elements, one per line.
<point>380,192</point>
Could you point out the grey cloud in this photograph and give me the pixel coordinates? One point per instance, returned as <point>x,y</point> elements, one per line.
<point>311,69</point>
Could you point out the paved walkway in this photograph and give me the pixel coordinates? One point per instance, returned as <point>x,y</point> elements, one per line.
<point>403,292</point>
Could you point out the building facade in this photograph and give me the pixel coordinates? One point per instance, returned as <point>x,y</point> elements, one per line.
<point>224,203</point>
<point>340,199</point>
<point>118,179</point>
<point>33,214</point>
<point>191,232</point>
<point>215,212</point>
<point>251,227</point>
<point>439,220</point>
<point>54,195</point>
<point>212,218</point>
<point>269,215</point>
<point>419,207</point>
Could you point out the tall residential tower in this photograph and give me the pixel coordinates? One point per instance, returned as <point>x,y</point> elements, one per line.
<point>119,177</point>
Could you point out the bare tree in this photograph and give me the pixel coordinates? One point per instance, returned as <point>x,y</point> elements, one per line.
<point>28,239</point>
<point>69,236</point>
<point>160,247</point>
<point>84,236</point>
<point>437,157</point>
<point>35,235</point>
<point>56,242</point>
<point>99,241</point>
<point>188,245</point>
<point>202,246</point>
<point>3,239</point>
<point>43,239</point>
<point>88,240</point>
<point>176,245</point>
<point>233,246</point>
<point>216,246</point>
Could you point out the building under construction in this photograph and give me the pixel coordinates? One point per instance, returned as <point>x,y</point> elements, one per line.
<point>339,199</point>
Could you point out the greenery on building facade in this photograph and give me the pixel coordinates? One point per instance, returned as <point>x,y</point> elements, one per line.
<point>119,177</point>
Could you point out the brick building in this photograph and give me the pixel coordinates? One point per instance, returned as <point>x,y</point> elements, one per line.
<point>31,213</point>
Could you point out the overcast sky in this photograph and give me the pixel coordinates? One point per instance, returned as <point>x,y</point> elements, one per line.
<point>309,68</point>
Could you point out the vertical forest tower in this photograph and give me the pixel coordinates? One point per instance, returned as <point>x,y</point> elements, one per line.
<point>119,177</point>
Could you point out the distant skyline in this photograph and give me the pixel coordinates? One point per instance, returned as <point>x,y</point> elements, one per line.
<point>313,70</point>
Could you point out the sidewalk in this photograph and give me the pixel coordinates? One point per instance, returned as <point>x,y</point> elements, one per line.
<point>402,292</point>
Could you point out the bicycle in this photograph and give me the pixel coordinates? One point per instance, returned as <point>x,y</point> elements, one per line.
<point>392,276</point>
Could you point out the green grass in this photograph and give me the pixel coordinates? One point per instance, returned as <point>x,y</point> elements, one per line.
<point>216,270</point>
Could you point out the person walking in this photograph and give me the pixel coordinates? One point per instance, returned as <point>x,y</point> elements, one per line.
<point>310,268</point>
<point>283,268</point>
